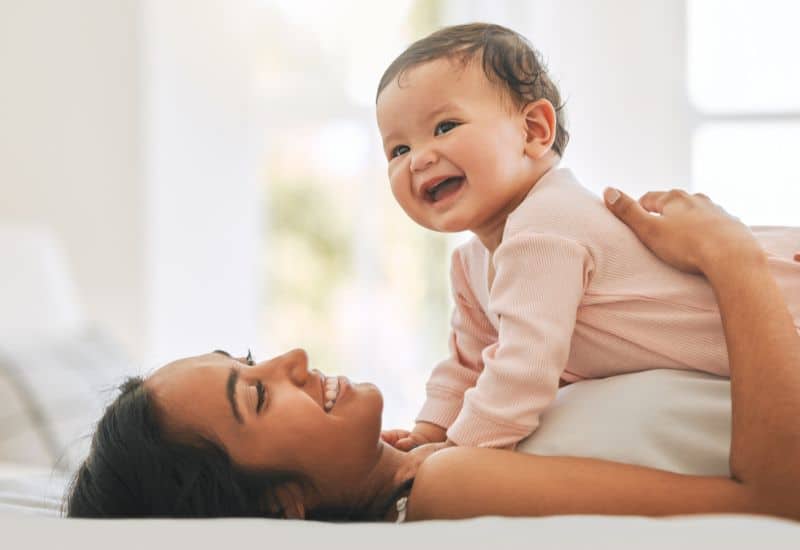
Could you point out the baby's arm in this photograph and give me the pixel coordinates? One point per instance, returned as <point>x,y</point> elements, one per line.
<point>423,433</point>
<point>470,333</point>
<point>539,283</point>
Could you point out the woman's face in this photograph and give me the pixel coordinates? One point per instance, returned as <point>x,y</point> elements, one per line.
<point>216,397</point>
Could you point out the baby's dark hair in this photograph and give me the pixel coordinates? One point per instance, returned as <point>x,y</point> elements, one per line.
<point>508,60</point>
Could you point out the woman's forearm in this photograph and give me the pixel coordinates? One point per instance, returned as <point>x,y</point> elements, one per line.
<point>764,354</point>
<point>693,234</point>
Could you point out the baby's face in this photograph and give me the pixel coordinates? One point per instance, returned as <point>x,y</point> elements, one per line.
<point>455,147</point>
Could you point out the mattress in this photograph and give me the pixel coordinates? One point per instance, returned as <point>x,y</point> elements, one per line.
<point>29,518</point>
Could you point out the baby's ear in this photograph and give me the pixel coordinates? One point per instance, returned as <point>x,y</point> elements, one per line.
<point>539,120</point>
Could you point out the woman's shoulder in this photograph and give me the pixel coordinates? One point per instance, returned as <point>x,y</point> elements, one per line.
<point>435,476</point>
<point>449,480</point>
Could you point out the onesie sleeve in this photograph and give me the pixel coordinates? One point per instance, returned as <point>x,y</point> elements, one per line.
<point>470,333</point>
<point>539,283</point>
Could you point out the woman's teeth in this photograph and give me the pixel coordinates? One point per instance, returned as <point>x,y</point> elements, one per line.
<point>331,392</point>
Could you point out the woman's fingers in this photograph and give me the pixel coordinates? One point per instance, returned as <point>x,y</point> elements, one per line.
<point>689,233</point>
<point>653,201</point>
<point>633,214</point>
<point>656,201</point>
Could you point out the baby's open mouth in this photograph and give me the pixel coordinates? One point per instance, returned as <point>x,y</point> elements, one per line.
<point>444,189</point>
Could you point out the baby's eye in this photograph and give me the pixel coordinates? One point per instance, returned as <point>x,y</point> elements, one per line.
<point>444,127</point>
<point>399,150</point>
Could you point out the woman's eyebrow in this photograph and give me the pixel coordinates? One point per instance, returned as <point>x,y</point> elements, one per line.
<point>233,377</point>
<point>222,352</point>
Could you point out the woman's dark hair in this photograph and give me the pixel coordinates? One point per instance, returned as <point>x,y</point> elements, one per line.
<point>508,60</point>
<point>134,470</point>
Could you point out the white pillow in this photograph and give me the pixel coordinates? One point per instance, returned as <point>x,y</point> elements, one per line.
<point>668,419</point>
<point>53,388</point>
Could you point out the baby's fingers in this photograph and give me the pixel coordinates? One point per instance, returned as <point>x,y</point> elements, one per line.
<point>392,436</point>
<point>406,444</point>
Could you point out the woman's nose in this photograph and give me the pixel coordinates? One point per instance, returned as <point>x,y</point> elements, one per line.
<point>296,362</point>
<point>292,364</point>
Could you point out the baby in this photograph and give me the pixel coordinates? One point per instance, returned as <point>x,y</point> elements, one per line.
<point>552,288</point>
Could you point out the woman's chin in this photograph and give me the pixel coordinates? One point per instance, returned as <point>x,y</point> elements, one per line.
<point>371,390</point>
<point>376,394</point>
<point>375,406</point>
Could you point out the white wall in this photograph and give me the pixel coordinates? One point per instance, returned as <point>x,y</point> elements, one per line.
<point>127,127</point>
<point>203,154</point>
<point>70,160</point>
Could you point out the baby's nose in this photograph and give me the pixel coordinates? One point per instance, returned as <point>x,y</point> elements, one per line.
<point>422,159</point>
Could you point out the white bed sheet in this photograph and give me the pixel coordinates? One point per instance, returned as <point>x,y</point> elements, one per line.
<point>26,493</point>
<point>564,532</point>
<point>30,491</point>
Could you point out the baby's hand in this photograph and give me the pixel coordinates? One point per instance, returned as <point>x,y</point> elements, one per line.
<point>403,440</point>
<point>423,432</point>
<point>393,436</point>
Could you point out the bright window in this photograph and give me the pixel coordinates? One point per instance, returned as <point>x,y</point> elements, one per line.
<point>349,277</point>
<point>744,84</point>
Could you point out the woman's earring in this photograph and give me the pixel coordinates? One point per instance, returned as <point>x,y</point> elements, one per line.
<point>249,359</point>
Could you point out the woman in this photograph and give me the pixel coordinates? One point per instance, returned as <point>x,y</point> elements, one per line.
<point>207,436</point>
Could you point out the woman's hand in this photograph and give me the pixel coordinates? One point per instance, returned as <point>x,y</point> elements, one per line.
<point>690,233</point>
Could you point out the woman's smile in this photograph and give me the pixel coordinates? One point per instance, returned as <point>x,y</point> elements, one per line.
<point>331,392</point>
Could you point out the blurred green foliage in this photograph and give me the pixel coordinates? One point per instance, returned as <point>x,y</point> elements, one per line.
<point>330,274</point>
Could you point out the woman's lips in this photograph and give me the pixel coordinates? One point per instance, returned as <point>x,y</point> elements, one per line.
<point>333,388</point>
<point>344,387</point>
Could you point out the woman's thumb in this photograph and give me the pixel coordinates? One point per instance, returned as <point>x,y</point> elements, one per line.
<point>627,210</point>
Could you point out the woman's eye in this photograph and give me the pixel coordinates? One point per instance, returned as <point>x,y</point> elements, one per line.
<point>399,150</point>
<point>444,127</point>
<point>261,392</point>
